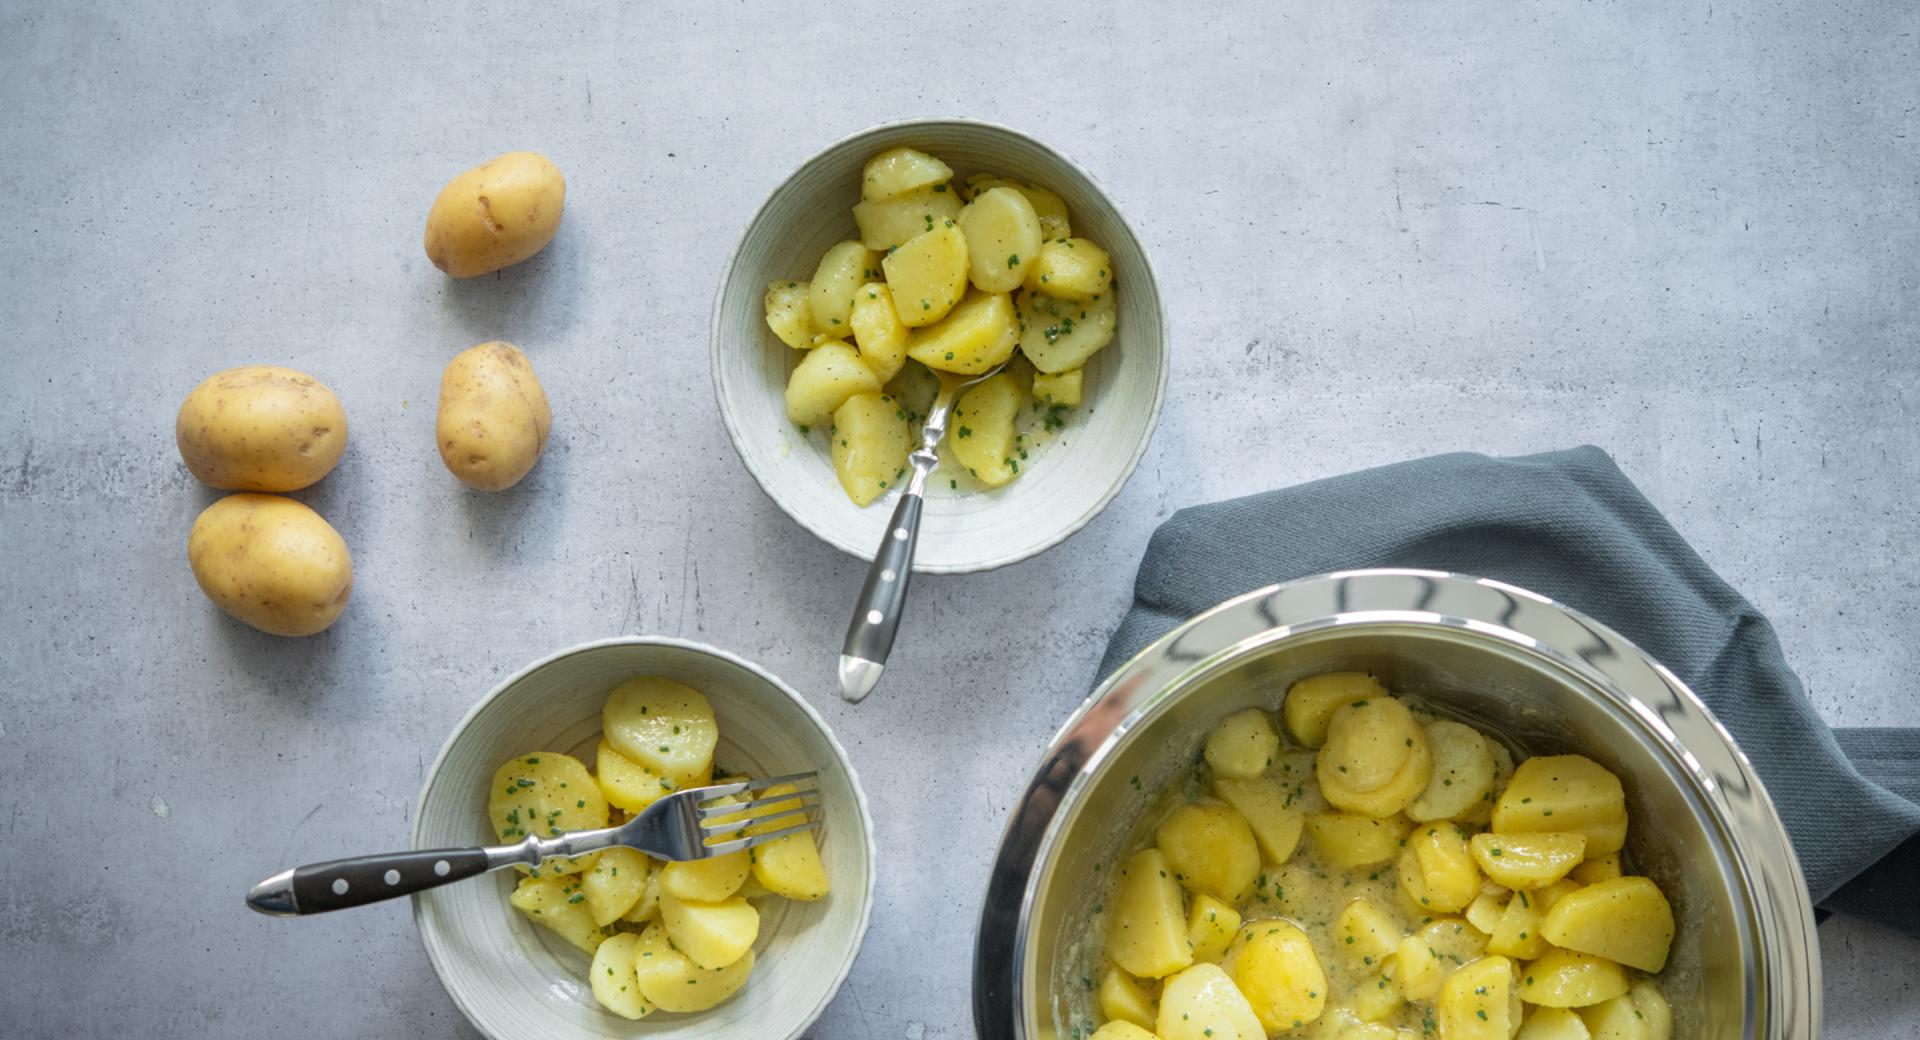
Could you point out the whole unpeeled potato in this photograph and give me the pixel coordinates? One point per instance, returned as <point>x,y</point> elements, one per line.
<point>271,562</point>
<point>493,420</point>
<point>260,428</point>
<point>496,214</point>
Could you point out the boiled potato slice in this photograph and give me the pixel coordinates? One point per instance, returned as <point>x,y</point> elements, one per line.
<point>628,785</point>
<point>1210,849</point>
<point>706,880</point>
<point>983,439</point>
<point>1148,936</point>
<point>843,269</point>
<point>1553,1024</point>
<point>1528,860</point>
<point>1267,806</point>
<point>1003,239</point>
<point>712,935</point>
<point>1203,1003</point>
<point>1063,388</point>
<point>671,980</point>
<point>1473,1001</point>
<point>877,330</point>
<point>1342,1030</point>
<point>1429,955</point>
<point>870,446</point>
<point>887,223</point>
<point>1350,840</point>
<point>1365,933</point>
<point>1627,920</point>
<point>1595,869</point>
<point>558,904</point>
<point>1651,1001</point>
<point>1211,925</point>
<point>979,334</point>
<point>1059,335</point>
<point>615,883</point>
<point>1071,269</point>
<point>928,274</point>
<point>612,977</point>
<point>1518,933</point>
<point>1124,999</point>
<point>900,170</point>
<point>1616,1019</point>
<point>1380,997</point>
<point>1405,786</point>
<point>1046,205</point>
<point>824,379</point>
<point>1368,740</point>
<point>1274,965</point>
<point>648,906</point>
<point>1437,872</point>
<point>664,726</point>
<point>1566,979</point>
<point>790,865</point>
<point>1489,906</point>
<point>1565,793</point>
<point>544,795</point>
<point>789,314</point>
<point>1310,703</point>
<point>1122,1031</point>
<point>1481,813</point>
<point>1242,745</point>
<point>1462,773</point>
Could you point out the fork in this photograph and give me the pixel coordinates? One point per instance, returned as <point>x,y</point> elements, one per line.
<point>680,827</point>
<point>876,615</point>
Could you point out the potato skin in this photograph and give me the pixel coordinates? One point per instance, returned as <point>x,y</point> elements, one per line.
<point>272,563</point>
<point>260,428</point>
<point>493,419</point>
<point>496,214</point>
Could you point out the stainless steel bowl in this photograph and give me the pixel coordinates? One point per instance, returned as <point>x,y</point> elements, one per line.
<point>1745,961</point>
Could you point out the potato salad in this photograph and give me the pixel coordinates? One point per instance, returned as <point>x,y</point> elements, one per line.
<point>1382,874</point>
<point>674,937</point>
<point>962,278</point>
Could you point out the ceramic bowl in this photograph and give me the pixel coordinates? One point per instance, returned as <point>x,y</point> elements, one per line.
<point>1065,485</point>
<point>516,981</point>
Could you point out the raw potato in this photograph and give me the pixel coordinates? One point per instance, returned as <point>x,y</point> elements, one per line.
<point>928,274</point>
<point>1565,979</point>
<point>1147,936</point>
<point>900,170</point>
<point>272,563</point>
<point>1267,807</point>
<point>1071,269</point>
<point>877,330</point>
<point>549,902</point>
<point>886,223</point>
<point>671,980</point>
<point>612,977</point>
<point>495,215</point>
<point>1462,773</point>
<point>664,726</point>
<point>788,866</point>
<point>1123,999</point>
<point>1627,920</point>
<point>1350,840</point>
<point>1274,965</point>
<point>615,883</point>
<point>1473,1001</point>
<point>870,446</point>
<point>1210,928</point>
<point>843,269</point>
<point>493,420</point>
<point>824,379</point>
<point>976,336</point>
<point>1064,388</point>
<point>1311,702</point>
<point>628,785</point>
<point>1565,793</point>
<point>1059,335</point>
<point>790,313</point>
<point>712,935</point>
<point>1528,860</point>
<point>260,428</point>
<point>1203,1003</point>
<point>1210,850</point>
<point>1242,745</point>
<point>544,795</point>
<point>982,425</point>
<point>1003,239</point>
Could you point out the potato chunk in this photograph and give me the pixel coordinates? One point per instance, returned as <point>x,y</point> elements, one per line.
<point>1616,1019</point>
<point>1487,908</point>
<point>612,977</point>
<point>1122,1031</point>
<point>556,903</point>
<point>544,795</point>
<point>1553,1024</point>
<point>1003,239</point>
<point>900,170</point>
<point>843,269</point>
<point>1124,999</point>
<point>1365,933</point>
<point>886,223</point>
<point>1274,965</point>
<point>1310,703</point>
<point>664,726</point>
<point>1211,925</point>
<point>1429,955</point>
<point>877,330</point>
<point>1048,206</point>
<point>1651,1001</point>
<point>1517,934</point>
<point>1595,869</point>
<point>789,314</point>
<point>1565,793</point>
<point>1376,759</point>
<point>1627,919</point>
<point>712,935</point>
<point>788,866</point>
<point>979,334</point>
<point>982,430</point>
<point>1148,935</point>
<point>1242,745</point>
<point>1058,335</point>
<point>671,981</point>
<point>1063,388</point>
<point>1436,871</point>
<point>1462,773</point>
<point>1567,979</point>
<point>1267,807</point>
<point>615,883</point>
<point>870,446</point>
<point>1210,849</point>
<point>1071,269</point>
<point>1349,840</point>
<point>706,880</point>
<point>1528,860</point>
<point>1473,1001</point>
<point>824,379</point>
<point>928,274</point>
<point>1203,1003</point>
<point>647,907</point>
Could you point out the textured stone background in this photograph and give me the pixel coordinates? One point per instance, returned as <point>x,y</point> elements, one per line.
<point>1685,231</point>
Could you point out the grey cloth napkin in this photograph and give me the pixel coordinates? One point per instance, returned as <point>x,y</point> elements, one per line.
<point>1569,525</point>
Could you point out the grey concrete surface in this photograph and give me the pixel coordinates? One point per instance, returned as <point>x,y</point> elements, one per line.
<point>1686,231</point>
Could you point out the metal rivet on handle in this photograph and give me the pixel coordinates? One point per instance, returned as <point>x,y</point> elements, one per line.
<point>340,886</point>
<point>393,877</point>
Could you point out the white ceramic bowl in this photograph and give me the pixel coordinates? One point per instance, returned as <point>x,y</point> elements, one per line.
<point>1065,485</point>
<point>517,981</point>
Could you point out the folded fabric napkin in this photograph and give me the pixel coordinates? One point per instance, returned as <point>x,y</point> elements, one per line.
<point>1569,525</point>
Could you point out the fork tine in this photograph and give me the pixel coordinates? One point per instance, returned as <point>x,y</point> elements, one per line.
<point>754,785</point>
<point>708,811</point>
<point>727,847</point>
<point>734,826</point>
